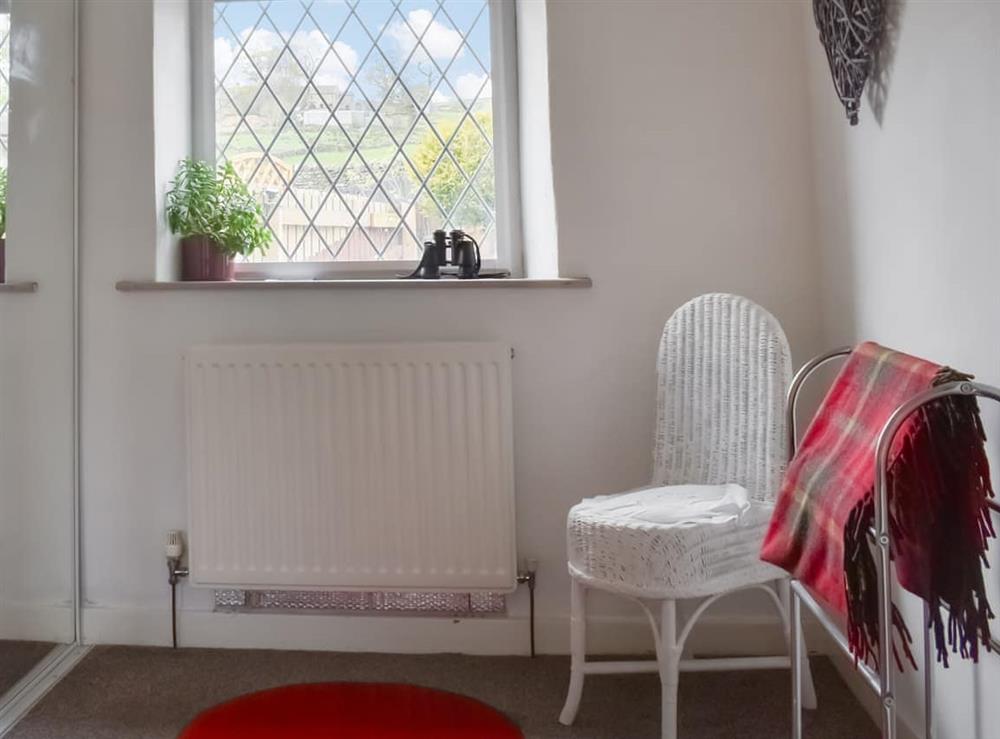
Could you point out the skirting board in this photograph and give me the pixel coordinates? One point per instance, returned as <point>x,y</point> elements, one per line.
<point>401,634</point>
<point>51,623</point>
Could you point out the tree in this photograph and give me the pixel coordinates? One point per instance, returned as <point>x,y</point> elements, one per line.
<point>469,148</point>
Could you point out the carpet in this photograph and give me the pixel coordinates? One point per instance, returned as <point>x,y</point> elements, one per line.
<point>152,693</point>
<point>352,711</point>
<point>17,658</point>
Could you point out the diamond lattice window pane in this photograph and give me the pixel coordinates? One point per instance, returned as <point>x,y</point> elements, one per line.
<point>380,222</point>
<point>354,113</point>
<point>472,211</point>
<point>403,246</point>
<point>227,118</point>
<point>377,148</point>
<point>485,183</point>
<point>399,184</point>
<point>264,118</point>
<point>309,45</point>
<point>264,178</point>
<point>360,125</point>
<point>330,16</point>
<point>488,244</point>
<point>4,86</point>
<point>447,182</point>
<point>356,183</point>
<point>311,115</point>
<point>288,81</point>
<point>400,113</point>
<point>427,214</point>
<point>421,77</point>
<point>468,86</point>
<point>288,147</point>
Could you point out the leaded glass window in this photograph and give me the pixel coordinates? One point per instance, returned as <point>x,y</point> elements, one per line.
<point>361,125</point>
<point>4,81</point>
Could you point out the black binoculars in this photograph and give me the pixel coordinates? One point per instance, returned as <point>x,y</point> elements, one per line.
<point>454,248</point>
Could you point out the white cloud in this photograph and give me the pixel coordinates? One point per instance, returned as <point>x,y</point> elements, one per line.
<point>308,46</point>
<point>467,86</point>
<point>338,68</point>
<point>440,41</point>
<point>224,54</point>
<point>332,71</point>
<point>348,54</point>
<point>261,41</point>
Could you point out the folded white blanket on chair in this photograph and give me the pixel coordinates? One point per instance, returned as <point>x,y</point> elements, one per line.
<point>683,505</point>
<point>674,541</point>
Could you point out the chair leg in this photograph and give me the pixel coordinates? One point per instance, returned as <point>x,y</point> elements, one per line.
<point>808,689</point>
<point>669,659</point>
<point>578,651</point>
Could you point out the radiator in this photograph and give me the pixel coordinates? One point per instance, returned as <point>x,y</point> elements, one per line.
<point>367,466</point>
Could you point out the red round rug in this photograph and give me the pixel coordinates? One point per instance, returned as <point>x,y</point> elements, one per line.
<point>352,711</point>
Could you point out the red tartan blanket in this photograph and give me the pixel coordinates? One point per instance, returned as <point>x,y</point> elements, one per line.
<point>939,483</point>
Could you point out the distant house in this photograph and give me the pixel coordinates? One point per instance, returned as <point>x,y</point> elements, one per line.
<point>316,117</point>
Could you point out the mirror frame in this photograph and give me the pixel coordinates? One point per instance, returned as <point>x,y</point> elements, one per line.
<point>16,702</point>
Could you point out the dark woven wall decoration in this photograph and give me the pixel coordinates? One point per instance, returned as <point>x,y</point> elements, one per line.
<point>850,31</point>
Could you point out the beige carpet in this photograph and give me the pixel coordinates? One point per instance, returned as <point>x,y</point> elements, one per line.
<point>134,692</point>
<point>17,658</point>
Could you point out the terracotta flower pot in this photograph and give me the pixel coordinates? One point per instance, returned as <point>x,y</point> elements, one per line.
<point>3,259</point>
<point>202,260</point>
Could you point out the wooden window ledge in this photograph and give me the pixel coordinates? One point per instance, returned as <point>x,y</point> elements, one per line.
<point>355,284</point>
<point>18,287</point>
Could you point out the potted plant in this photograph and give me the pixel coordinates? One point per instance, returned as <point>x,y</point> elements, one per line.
<point>3,224</point>
<point>216,217</point>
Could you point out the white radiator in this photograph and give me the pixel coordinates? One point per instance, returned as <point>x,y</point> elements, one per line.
<point>368,466</point>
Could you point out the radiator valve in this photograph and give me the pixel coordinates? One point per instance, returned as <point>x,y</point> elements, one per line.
<point>174,550</point>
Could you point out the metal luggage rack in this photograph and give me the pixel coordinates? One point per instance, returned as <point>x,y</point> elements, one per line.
<point>881,681</point>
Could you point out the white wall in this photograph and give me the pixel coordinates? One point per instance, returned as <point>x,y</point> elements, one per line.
<point>909,225</point>
<point>681,166</point>
<point>538,201</point>
<point>172,115</point>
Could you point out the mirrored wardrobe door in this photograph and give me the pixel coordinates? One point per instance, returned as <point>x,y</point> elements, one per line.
<point>38,581</point>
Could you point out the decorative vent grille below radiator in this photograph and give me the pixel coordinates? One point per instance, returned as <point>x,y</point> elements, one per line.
<point>313,601</point>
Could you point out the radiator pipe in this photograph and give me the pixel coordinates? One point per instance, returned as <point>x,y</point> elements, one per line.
<point>529,577</point>
<point>174,573</point>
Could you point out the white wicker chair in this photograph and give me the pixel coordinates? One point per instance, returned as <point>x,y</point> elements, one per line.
<point>724,366</point>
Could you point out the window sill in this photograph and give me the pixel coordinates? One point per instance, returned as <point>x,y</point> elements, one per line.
<point>354,284</point>
<point>18,287</point>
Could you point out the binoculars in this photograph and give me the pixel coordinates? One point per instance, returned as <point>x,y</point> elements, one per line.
<point>455,248</point>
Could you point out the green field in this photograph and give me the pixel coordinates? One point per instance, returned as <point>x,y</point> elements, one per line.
<point>333,148</point>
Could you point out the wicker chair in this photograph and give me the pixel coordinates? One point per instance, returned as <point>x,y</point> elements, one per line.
<point>695,532</point>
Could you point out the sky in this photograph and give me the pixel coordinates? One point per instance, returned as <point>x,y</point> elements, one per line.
<point>442,27</point>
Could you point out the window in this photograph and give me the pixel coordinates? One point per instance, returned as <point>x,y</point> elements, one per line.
<point>361,125</point>
<point>4,82</point>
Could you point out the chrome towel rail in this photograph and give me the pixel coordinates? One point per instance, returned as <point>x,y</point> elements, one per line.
<point>881,681</point>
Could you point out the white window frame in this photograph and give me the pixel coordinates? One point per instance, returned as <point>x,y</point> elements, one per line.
<point>503,74</point>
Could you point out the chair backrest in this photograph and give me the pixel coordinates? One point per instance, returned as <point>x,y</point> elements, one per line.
<point>724,367</point>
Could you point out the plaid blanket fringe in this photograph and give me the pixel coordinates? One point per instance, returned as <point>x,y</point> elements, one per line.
<point>939,481</point>
<point>938,488</point>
